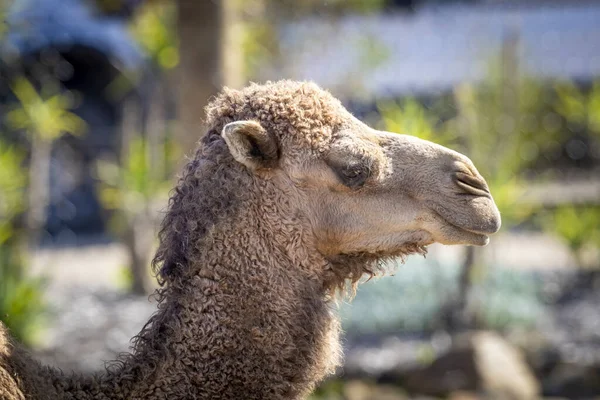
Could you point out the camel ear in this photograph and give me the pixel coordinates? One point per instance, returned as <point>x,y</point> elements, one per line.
<point>251,145</point>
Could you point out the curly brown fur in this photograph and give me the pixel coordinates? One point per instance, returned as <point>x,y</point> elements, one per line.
<point>345,271</point>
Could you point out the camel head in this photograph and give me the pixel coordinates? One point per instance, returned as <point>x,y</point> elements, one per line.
<point>363,191</point>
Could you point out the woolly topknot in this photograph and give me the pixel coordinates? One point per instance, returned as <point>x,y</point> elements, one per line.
<point>293,111</point>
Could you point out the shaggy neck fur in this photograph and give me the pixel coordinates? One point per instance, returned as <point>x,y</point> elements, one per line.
<point>244,311</point>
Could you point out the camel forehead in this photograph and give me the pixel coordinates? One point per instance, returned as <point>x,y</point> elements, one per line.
<point>300,114</point>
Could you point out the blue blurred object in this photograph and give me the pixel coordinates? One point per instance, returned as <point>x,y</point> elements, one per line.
<point>437,47</point>
<point>86,48</point>
<point>35,25</point>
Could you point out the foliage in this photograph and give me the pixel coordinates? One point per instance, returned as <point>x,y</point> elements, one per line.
<point>409,302</point>
<point>259,44</point>
<point>21,297</point>
<point>329,390</point>
<point>578,226</point>
<point>12,188</point>
<point>128,189</point>
<point>579,107</point>
<point>43,116</point>
<point>410,117</point>
<point>153,28</point>
<point>3,24</point>
<point>46,114</point>
<point>372,52</point>
<point>21,303</point>
<point>132,191</point>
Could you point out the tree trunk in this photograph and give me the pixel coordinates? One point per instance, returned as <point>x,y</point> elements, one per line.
<point>138,240</point>
<point>210,57</point>
<point>463,317</point>
<point>39,186</point>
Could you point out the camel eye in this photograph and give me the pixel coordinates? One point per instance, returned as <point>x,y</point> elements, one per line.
<point>353,175</point>
<point>352,170</point>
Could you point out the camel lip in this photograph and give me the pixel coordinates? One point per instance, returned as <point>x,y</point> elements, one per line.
<point>484,225</point>
<point>483,239</point>
<point>471,237</point>
<point>491,231</point>
<point>475,238</point>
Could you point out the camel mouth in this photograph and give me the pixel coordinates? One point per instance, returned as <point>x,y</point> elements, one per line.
<point>473,238</point>
<point>485,229</point>
<point>471,227</point>
<point>477,215</point>
<point>474,233</point>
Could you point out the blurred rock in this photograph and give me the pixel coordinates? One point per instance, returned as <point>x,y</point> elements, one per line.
<point>359,390</point>
<point>460,395</point>
<point>573,381</point>
<point>477,362</point>
<point>90,327</point>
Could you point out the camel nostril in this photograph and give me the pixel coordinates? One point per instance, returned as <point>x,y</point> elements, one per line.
<point>471,184</point>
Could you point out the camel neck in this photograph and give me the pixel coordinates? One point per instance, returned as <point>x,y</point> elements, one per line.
<point>249,321</point>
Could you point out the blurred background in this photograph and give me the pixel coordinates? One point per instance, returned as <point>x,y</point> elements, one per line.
<point>101,99</point>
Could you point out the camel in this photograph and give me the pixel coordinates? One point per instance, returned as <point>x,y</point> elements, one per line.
<point>288,201</point>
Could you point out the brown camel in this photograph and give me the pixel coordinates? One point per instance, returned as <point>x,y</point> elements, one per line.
<point>288,200</point>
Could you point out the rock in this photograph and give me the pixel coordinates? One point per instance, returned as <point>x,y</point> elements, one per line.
<point>481,362</point>
<point>359,390</point>
<point>573,381</point>
<point>460,395</point>
<point>503,369</point>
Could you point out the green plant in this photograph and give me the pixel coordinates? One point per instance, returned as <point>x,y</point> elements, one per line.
<point>44,117</point>
<point>12,189</point>
<point>21,297</point>
<point>153,28</point>
<point>410,117</point>
<point>21,300</point>
<point>128,188</point>
<point>579,107</point>
<point>3,11</point>
<point>259,44</point>
<point>578,226</point>
<point>331,389</point>
<point>131,192</point>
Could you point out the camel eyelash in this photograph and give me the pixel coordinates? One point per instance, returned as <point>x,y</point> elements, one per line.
<point>353,175</point>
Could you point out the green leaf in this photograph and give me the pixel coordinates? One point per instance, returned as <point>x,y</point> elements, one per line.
<point>49,118</point>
